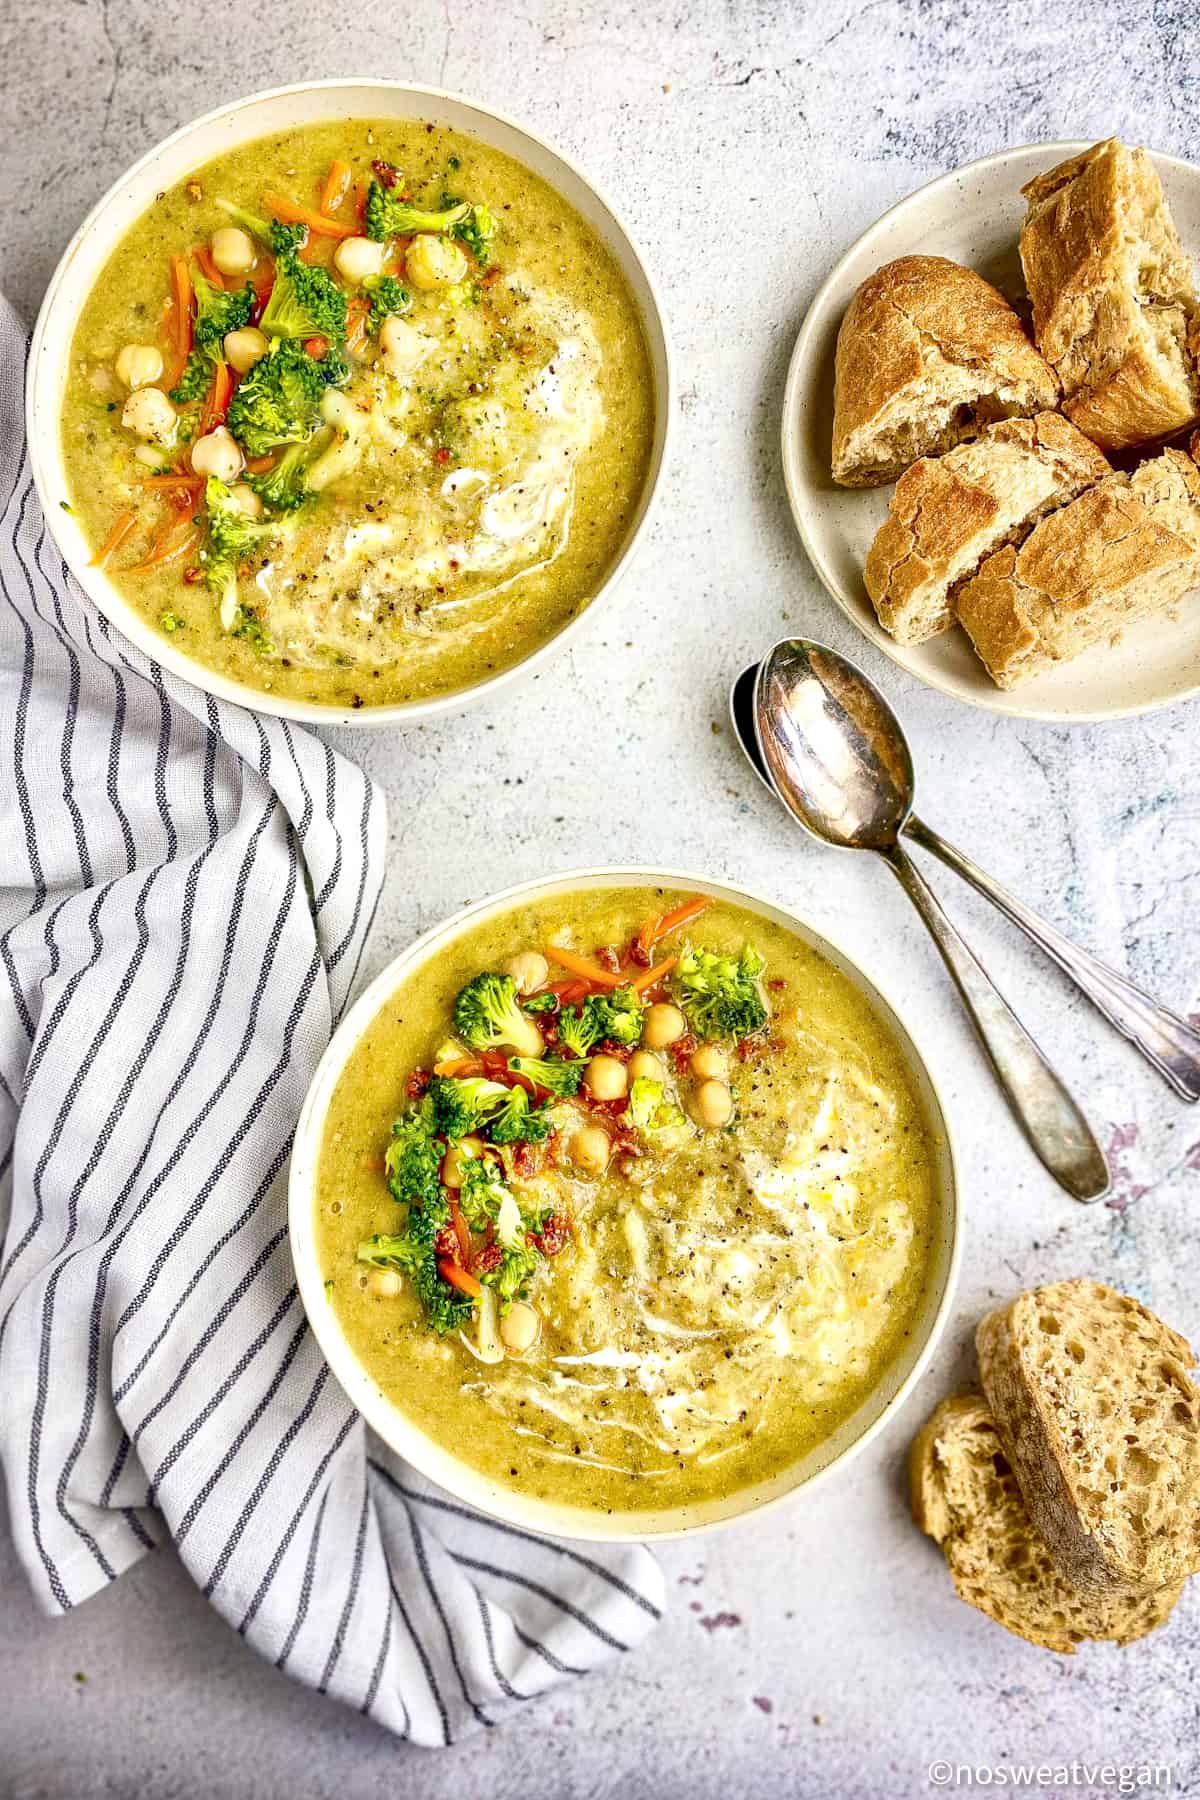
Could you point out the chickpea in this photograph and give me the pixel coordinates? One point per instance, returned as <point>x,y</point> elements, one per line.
<point>385,1284</point>
<point>401,345</point>
<point>605,1078</point>
<point>149,415</point>
<point>519,1328</point>
<point>358,257</point>
<point>138,365</point>
<point>246,347</point>
<point>713,1106</point>
<point>456,1156</point>
<point>662,1025</point>
<point>644,1066</point>
<point>246,501</point>
<point>233,250</point>
<point>529,970</point>
<point>218,454</point>
<point>710,1063</point>
<point>434,262</point>
<point>590,1149</point>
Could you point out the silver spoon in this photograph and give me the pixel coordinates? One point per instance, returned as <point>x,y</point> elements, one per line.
<point>1167,1042</point>
<point>835,755</point>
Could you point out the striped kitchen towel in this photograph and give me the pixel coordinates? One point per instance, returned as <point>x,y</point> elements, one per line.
<point>185,893</point>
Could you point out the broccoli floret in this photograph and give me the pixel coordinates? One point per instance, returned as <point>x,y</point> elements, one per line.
<point>414,1158</point>
<point>388,216</point>
<point>521,1122</point>
<point>279,238</point>
<point>511,1274</point>
<point>617,1015</point>
<point>541,1003</point>
<point>232,539</point>
<point>279,401</point>
<point>720,994</point>
<point>486,1015</point>
<point>462,1106</point>
<point>219,312</point>
<point>387,296</point>
<point>483,1192</point>
<point>658,1119</point>
<point>284,487</point>
<point>476,231</point>
<point>305,302</point>
<point>195,381</point>
<point>550,1074</point>
<point>413,1253</point>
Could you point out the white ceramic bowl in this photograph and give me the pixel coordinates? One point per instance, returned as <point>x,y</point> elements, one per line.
<point>972,216</point>
<point>457,1477</point>
<point>173,160</point>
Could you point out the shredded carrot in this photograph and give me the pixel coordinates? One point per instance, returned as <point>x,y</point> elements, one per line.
<point>337,184</point>
<point>182,287</point>
<point>465,1065</point>
<point>123,524</point>
<point>650,977</point>
<point>178,538</point>
<point>654,929</point>
<point>292,213</point>
<point>208,267</point>
<point>217,403</point>
<point>357,314</point>
<point>360,201</point>
<point>461,1230</point>
<point>192,482</point>
<point>258,465</point>
<point>458,1278</point>
<point>579,965</point>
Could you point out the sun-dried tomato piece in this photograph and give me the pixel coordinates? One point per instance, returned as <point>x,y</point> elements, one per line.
<point>681,1051</point>
<point>489,1258</point>
<point>417,1083</point>
<point>608,959</point>
<point>610,1047</point>
<point>553,1235</point>
<point>445,1242</point>
<point>387,174</point>
<point>526,1159</point>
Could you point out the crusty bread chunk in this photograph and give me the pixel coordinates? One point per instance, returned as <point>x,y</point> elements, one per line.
<point>1099,1416</point>
<point>965,1496</point>
<point>927,354</point>
<point>1124,549</point>
<point>949,512</point>
<point>1114,308</point>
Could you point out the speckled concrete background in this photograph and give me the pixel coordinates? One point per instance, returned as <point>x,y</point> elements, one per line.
<point>820,1651</point>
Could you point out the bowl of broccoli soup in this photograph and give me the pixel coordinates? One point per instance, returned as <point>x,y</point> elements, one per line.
<point>623,1204</point>
<point>349,402</point>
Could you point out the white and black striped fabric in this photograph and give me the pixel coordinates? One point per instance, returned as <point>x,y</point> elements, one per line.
<point>186,890</point>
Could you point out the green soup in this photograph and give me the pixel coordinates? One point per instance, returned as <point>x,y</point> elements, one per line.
<point>715,1299</point>
<point>466,468</point>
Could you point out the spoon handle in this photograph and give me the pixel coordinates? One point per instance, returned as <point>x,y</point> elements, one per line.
<point>1169,1043</point>
<point>1057,1130</point>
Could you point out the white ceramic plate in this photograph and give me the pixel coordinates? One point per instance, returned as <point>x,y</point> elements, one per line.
<point>972,216</point>
<point>458,1477</point>
<point>313,102</point>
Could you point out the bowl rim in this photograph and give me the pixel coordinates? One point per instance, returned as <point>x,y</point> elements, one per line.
<point>407,1438</point>
<point>796,486</point>
<point>125,618</point>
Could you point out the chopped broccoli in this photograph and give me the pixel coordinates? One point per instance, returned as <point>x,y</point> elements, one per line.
<point>194,383</point>
<point>413,1253</point>
<point>232,539</point>
<point>218,312</point>
<point>658,1119</point>
<point>388,216</point>
<point>279,238</point>
<point>414,1158</point>
<point>511,1274</point>
<point>550,1073</point>
<point>486,1015</point>
<point>305,302</point>
<point>520,1122</point>
<point>720,994</point>
<point>541,1003</point>
<point>387,296</point>
<point>171,622</point>
<point>617,1015</point>
<point>476,230</point>
<point>482,1193</point>
<point>279,401</point>
<point>461,1106</point>
<point>284,487</point>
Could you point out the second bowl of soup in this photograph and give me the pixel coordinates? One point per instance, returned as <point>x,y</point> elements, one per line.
<point>623,1205</point>
<point>349,400</point>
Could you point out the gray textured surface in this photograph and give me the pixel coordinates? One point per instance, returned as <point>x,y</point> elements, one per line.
<point>819,1651</point>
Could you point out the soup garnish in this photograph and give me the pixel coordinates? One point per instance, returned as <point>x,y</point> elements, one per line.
<point>366,448</point>
<point>673,1193</point>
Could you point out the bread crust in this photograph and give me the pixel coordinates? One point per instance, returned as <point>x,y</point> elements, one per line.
<point>1068,1369</point>
<point>927,353</point>
<point>1124,549</point>
<point>965,1496</point>
<point>948,512</point>
<point>1114,308</point>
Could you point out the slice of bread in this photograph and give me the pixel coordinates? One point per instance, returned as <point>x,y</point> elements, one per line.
<point>949,512</point>
<point>1099,1416</point>
<point>965,1496</point>
<point>1114,308</point>
<point>1125,549</point>
<point>927,354</point>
